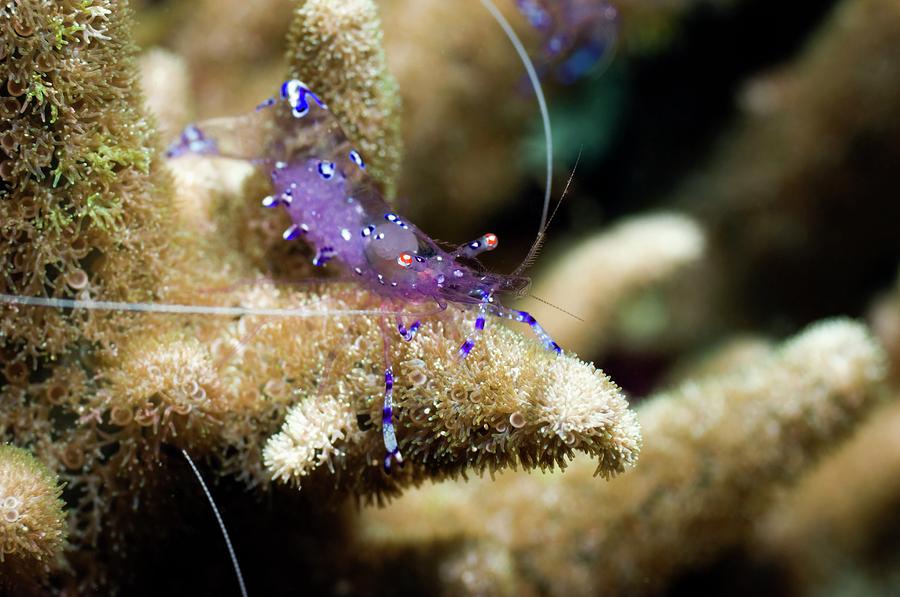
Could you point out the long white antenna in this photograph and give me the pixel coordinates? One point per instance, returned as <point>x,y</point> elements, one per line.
<point>542,103</point>
<point>63,303</point>
<point>234,560</point>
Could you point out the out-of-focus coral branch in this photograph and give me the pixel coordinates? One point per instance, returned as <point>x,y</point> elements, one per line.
<point>463,110</point>
<point>335,48</point>
<point>885,319</point>
<point>828,529</point>
<point>784,192</point>
<point>233,50</point>
<point>714,451</point>
<point>166,86</point>
<point>593,278</point>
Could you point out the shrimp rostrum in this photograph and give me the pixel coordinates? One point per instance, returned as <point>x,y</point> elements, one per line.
<point>320,179</point>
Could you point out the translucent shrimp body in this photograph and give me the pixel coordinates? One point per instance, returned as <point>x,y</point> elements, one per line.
<point>320,179</point>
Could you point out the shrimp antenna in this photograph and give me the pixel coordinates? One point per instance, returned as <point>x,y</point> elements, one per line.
<point>542,102</point>
<point>557,307</point>
<point>63,303</point>
<point>212,503</point>
<point>539,241</point>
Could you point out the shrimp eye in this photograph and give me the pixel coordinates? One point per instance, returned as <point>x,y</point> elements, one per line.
<point>405,259</point>
<point>490,240</point>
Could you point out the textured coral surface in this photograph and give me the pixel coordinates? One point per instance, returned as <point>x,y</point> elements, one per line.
<point>724,259</point>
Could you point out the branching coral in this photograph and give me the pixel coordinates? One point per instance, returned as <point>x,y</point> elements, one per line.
<point>714,451</point>
<point>490,412</point>
<point>885,319</point>
<point>102,398</point>
<point>818,132</point>
<point>335,48</point>
<point>77,163</point>
<point>841,519</point>
<point>459,134</point>
<point>32,522</point>
<point>233,50</point>
<point>599,273</point>
<point>164,79</point>
<point>119,388</point>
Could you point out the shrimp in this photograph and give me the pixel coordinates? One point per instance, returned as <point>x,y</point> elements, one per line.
<point>320,179</point>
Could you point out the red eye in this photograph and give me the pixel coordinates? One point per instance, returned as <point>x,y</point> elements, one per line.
<point>405,259</point>
<point>490,239</point>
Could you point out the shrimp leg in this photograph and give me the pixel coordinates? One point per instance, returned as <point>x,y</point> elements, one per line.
<point>526,317</point>
<point>467,346</point>
<point>392,450</point>
<point>407,333</point>
<point>487,242</point>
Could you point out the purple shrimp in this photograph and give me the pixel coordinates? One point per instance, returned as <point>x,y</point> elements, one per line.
<point>321,180</point>
<point>578,34</point>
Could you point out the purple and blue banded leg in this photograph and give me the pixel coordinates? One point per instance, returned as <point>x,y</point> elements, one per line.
<point>526,317</point>
<point>487,242</point>
<point>467,346</point>
<point>388,432</point>
<point>392,450</point>
<point>407,333</point>
<point>323,255</point>
<point>294,232</point>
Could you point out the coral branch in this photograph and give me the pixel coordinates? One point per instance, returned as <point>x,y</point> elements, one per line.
<point>595,276</point>
<point>818,132</point>
<point>823,531</point>
<point>510,403</point>
<point>80,179</point>
<point>335,48</point>
<point>32,521</point>
<point>463,115</point>
<point>164,79</point>
<point>713,453</point>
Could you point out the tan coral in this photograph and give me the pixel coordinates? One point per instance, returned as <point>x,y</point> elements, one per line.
<point>510,403</point>
<point>826,526</point>
<point>593,278</point>
<point>713,453</point>
<point>233,50</point>
<point>76,191</point>
<point>166,85</point>
<point>32,520</point>
<point>781,197</point>
<point>463,114</point>
<point>885,320</point>
<point>335,48</point>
